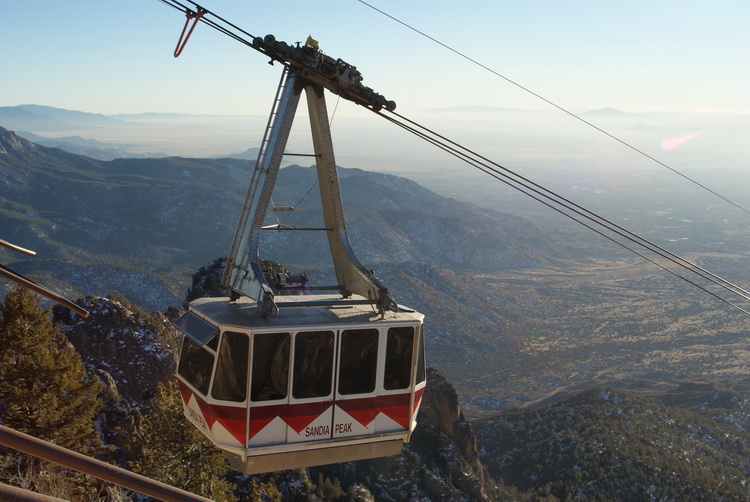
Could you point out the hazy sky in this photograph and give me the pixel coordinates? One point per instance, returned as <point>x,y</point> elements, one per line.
<point>113,57</point>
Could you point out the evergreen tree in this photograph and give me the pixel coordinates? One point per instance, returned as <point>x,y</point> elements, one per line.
<point>262,492</point>
<point>328,490</point>
<point>44,389</point>
<point>174,452</point>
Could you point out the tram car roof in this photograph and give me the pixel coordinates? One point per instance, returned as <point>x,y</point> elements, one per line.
<point>243,313</point>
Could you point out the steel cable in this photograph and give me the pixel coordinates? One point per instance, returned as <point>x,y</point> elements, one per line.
<point>555,105</point>
<point>522,184</point>
<point>562,205</point>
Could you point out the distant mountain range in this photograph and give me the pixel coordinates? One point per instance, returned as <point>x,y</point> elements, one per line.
<point>160,216</point>
<point>43,125</point>
<point>87,147</point>
<point>48,118</point>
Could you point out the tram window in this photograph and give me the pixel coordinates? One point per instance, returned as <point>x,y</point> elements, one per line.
<point>195,328</point>
<point>195,365</point>
<point>230,381</point>
<point>358,361</point>
<point>421,364</point>
<point>313,364</point>
<point>270,379</point>
<point>398,352</point>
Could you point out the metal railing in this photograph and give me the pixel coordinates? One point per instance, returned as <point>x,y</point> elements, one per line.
<point>87,465</point>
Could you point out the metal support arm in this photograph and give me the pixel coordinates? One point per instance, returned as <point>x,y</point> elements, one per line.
<point>242,274</point>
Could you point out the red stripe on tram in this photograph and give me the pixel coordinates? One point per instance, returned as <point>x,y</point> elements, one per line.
<point>232,418</point>
<point>396,407</point>
<point>296,416</point>
<point>185,392</point>
<point>418,398</point>
<point>299,416</point>
<point>364,410</point>
<point>302,415</point>
<point>260,416</point>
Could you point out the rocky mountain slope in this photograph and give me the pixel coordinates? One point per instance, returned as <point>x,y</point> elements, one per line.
<point>517,312</point>
<point>605,444</point>
<point>111,227</point>
<point>131,352</point>
<point>601,444</point>
<point>138,228</point>
<point>154,221</point>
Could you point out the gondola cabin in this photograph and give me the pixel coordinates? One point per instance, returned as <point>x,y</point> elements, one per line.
<point>310,386</point>
<point>282,382</point>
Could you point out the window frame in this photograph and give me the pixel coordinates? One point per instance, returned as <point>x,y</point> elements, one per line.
<point>403,359</point>
<point>187,365</point>
<point>237,355</point>
<point>313,374</point>
<point>371,358</point>
<point>282,350</point>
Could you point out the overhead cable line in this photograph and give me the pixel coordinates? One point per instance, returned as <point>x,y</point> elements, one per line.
<point>535,187</point>
<point>547,197</point>
<point>552,103</point>
<point>569,209</point>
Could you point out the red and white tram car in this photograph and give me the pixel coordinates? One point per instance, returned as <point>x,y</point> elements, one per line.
<point>311,386</point>
<point>282,382</point>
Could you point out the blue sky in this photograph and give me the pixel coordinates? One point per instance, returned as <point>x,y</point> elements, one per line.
<point>112,57</point>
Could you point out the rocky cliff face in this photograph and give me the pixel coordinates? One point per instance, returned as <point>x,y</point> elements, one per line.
<point>134,348</point>
<point>446,437</point>
<point>440,463</point>
<point>9,142</point>
<point>131,352</point>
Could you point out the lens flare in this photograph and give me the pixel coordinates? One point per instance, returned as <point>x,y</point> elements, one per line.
<point>670,144</point>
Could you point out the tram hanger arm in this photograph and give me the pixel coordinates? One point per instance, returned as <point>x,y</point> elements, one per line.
<point>242,274</point>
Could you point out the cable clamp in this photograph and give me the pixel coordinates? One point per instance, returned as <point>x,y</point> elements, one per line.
<point>195,17</point>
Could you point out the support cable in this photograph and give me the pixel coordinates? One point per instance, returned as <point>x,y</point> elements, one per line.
<point>576,207</point>
<point>561,205</point>
<point>294,207</point>
<point>561,108</point>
